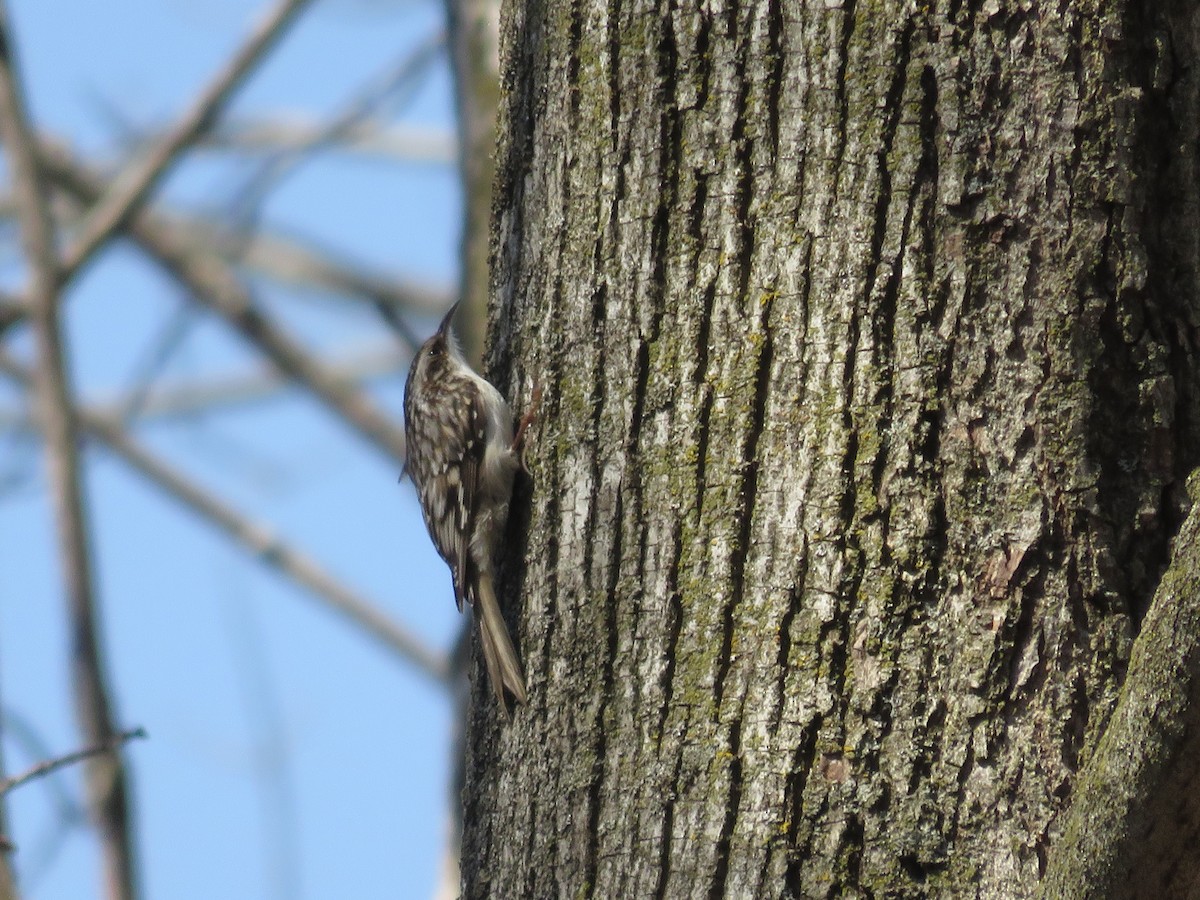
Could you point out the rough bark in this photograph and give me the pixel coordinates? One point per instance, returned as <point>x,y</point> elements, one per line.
<point>866,332</point>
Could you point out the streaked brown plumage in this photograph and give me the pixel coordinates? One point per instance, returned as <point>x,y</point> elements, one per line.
<point>462,459</point>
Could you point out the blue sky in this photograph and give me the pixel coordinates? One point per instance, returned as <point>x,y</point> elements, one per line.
<point>279,735</point>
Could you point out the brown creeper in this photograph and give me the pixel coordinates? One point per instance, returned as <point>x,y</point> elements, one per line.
<point>462,457</point>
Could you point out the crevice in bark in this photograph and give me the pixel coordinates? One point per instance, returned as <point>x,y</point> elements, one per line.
<point>804,760</point>
<point>842,91</point>
<point>664,834</point>
<point>885,363</point>
<point>670,139</point>
<point>574,47</point>
<point>955,833</point>
<point>849,492</point>
<point>695,211</point>
<point>641,382</point>
<point>703,431</point>
<point>604,648</point>
<point>595,788</point>
<point>783,661</point>
<point>613,49</point>
<point>703,54</point>
<point>671,648</point>
<point>743,149</point>
<point>776,54</point>
<point>732,806</point>
<point>805,302</point>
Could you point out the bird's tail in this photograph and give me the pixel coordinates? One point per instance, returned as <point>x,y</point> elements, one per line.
<point>499,655</point>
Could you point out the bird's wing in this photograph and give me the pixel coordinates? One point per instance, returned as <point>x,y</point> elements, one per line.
<point>451,496</point>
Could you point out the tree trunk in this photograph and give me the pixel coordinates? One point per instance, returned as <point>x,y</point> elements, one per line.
<point>866,335</point>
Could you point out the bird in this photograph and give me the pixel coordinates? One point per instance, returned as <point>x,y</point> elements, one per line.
<point>463,457</point>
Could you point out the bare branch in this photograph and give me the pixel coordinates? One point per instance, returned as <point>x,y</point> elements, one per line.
<point>106,778</point>
<point>131,187</point>
<point>217,286</point>
<point>45,767</point>
<point>258,540</point>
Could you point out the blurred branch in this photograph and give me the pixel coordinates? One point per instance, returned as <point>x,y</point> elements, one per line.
<point>284,161</point>
<point>183,400</point>
<point>285,257</point>
<point>166,344</point>
<point>130,189</point>
<point>11,312</point>
<point>213,283</point>
<point>403,143</point>
<point>474,27</point>
<point>8,880</point>
<point>68,809</point>
<point>289,259</point>
<point>45,767</point>
<point>257,540</point>
<point>106,778</point>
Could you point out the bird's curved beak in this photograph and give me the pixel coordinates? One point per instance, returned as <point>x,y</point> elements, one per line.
<point>444,328</point>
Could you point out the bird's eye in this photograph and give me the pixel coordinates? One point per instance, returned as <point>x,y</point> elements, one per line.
<point>435,349</point>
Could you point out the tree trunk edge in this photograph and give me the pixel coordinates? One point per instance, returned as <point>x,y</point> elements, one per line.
<point>1134,817</point>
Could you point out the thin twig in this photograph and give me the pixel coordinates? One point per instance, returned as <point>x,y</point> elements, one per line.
<point>165,346</point>
<point>106,777</point>
<point>258,540</point>
<point>217,286</point>
<point>8,879</point>
<point>132,186</point>
<point>65,811</point>
<point>51,765</point>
